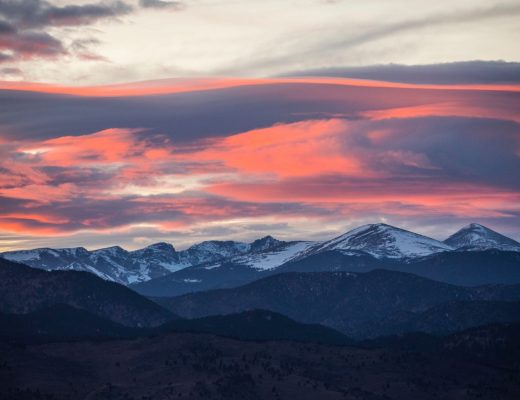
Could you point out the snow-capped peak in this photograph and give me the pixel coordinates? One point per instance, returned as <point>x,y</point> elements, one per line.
<point>163,246</point>
<point>267,242</point>
<point>269,253</point>
<point>219,247</point>
<point>155,248</point>
<point>478,237</point>
<point>383,241</point>
<point>112,251</point>
<point>75,251</point>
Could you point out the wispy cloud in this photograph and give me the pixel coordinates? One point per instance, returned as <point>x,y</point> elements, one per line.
<point>341,40</point>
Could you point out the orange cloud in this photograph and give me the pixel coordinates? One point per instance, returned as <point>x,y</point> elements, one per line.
<point>452,108</point>
<point>170,86</point>
<point>43,193</point>
<point>298,149</point>
<point>109,146</point>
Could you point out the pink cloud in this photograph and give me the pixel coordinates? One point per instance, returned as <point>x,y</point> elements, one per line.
<point>421,151</point>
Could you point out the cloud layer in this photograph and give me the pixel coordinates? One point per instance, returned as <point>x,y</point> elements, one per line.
<point>303,158</point>
<point>472,72</point>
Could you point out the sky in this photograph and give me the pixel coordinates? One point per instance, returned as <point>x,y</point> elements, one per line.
<point>132,122</point>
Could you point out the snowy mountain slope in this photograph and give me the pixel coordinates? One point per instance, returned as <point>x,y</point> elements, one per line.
<point>126,267</point>
<point>44,255</point>
<point>479,237</point>
<point>266,258</point>
<point>381,241</point>
<point>113,263</point>
<point>229,260</point>
<point>211,251</point>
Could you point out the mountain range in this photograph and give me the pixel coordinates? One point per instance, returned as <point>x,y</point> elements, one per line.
<point>466,268</point>
<point>473,255</point>
<point>350,318</point>
<point>62,322</point>
<point>359,305</point>
<point>159,259</point>
<point>161,270</point>
<point>24,290</point>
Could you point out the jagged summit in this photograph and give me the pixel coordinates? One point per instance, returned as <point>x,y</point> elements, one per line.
<point>159,252</point>
<point>383,241</point>
<point>222,247</point>
<point>265,243</point>
<point>479,237</point>
<point>112,250</point>
<point>160,246</point>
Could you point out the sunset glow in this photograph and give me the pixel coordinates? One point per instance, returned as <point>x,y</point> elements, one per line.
<point>374,155</point>
<point>128,122</point>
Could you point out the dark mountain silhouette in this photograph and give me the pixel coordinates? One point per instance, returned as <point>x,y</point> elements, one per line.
<point>353,303</point>
<point>450,317</point>
<point>60,322</point>
<point>470,268</point>
<point>258,325</point>
<point>24,289</point>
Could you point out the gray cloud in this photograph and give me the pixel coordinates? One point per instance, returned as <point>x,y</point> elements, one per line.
<point>31,14</point>
<point>6,27</point>
<point>9,70</point>
<point>177,5</point>
<point>188,117</point>
<point>447,73</point>
<point>24,24</point>
<point>456,149</point>
<point>31,44</point>
<point>85,213</point>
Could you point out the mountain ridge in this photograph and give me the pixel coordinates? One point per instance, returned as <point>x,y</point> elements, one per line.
<point>24,289</point>
<point>353,303</point>
<point>119,265</point>
<point>243,260</point>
